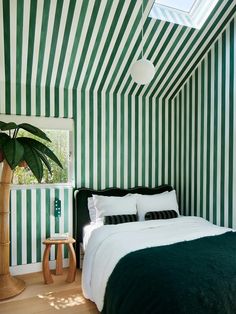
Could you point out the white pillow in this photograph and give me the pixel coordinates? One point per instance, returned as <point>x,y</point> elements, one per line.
<point>114,205</point>
<point>91,209</point>
<point>157,202</point>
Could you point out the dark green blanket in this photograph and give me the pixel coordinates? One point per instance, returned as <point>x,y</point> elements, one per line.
<point>193,277</point>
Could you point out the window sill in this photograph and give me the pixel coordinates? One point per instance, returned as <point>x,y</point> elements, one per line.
<point>41,186</point>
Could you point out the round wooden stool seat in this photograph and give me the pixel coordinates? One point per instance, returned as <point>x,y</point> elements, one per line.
<point>72,259</point>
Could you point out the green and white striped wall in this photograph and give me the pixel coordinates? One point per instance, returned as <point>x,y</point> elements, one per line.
<point>70,58</point>
<point>205,139</point>
<point>32,220</point>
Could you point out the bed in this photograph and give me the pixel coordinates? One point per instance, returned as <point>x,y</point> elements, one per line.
<point>181,265</point>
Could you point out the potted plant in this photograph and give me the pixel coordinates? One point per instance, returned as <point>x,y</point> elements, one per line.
<point>15,151</point>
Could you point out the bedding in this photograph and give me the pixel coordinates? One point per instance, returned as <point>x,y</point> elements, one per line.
<point>110,243</point>
<point>193,277</point>
<point>114,205</point>
<point>119,219</point>
<point>164,214</point>
<point>156,202</point>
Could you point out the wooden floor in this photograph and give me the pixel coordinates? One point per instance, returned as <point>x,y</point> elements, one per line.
<point>58,297</point>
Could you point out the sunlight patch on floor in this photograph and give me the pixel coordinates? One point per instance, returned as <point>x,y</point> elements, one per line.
<point>62,302</point>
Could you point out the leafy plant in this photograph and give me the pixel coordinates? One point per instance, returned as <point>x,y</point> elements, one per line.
<point>25,151</point>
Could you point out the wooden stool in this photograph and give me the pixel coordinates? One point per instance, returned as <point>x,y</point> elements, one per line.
<point>72,259</point>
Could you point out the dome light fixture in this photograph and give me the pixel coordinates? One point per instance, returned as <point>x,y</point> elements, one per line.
<point>142,71</point>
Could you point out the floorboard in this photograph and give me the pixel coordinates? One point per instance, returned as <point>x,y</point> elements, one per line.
<point>58,297</point>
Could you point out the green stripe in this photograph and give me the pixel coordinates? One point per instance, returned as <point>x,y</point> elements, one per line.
<point>33,7</point>
<point>38,224</point>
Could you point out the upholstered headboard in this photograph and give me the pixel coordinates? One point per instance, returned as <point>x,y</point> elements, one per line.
<point>81,214</point>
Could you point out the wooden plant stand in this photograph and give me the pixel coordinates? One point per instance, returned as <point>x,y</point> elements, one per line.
<point>72,259</point>
<point>9,286</point>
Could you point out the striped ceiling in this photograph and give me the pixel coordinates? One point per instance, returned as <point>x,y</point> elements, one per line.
<point>90,45</point>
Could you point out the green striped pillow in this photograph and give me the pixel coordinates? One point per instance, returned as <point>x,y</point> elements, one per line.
<point>164,214</point>
<point>119,219</point>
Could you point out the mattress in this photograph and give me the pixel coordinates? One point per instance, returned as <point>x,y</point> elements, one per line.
<point>107,245</point>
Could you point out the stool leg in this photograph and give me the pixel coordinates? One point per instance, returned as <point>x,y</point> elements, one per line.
<point>59,270</point>
<point>46,271</point>
<point>72,265</point>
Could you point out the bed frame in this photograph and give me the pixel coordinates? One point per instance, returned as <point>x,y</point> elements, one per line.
<point>81,214</point>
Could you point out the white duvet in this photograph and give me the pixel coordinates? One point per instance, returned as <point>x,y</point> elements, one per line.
<point>108,244</point>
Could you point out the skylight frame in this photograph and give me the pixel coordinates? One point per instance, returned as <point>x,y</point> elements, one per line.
<point>197,16</point>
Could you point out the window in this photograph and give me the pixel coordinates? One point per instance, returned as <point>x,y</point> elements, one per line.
<point>59,131</point>
<point>184,5</point>
<point>190,13</point>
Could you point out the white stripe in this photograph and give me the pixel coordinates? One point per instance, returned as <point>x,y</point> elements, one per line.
<point>159,173</point>
<point>24,227</point>
<point>194,128</point>
<point>78,138</point>
<point>219,140</point>
<point>38,24</point>
<point>95,142</point>
<point>87,122</point>
<point>187,153</point>
<point>173,123</point>
<point>125,141</point>
<point>62,218</point>
<point>140,141</point>
<point>52,221</point>
<point>111,140</point>
<point>166,130</point>
<point>33,226</point>
<point>118,142</point>
<point>205,140</point>
<point>146,134</point>
<point>133,140</point>
<point>103,140</point>
<point>70,212</point>
<point>227,72</point>
<point>25,37</point>
<point>234,148</point>
<point>182,154</point>
<point>12,35</point>
<point>199,141</point>
<point>213,101</point>
<point>154,148</point>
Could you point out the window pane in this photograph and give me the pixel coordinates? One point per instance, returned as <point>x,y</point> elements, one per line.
<point>184,5</point>
<point>60,146</point>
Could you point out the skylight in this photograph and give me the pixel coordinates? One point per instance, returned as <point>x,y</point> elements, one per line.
<point>184,5</point>
<point>191,13</point>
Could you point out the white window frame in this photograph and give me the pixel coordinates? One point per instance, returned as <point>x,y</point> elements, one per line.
<point>47,123</point>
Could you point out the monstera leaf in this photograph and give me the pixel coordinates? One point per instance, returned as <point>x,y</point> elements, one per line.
<point>24,149</point>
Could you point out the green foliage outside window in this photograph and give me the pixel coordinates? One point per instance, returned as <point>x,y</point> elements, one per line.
<point>60,146</point>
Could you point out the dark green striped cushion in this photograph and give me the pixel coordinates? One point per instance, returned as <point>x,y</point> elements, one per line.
<point>164,214</point>
<point>119,219</point>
